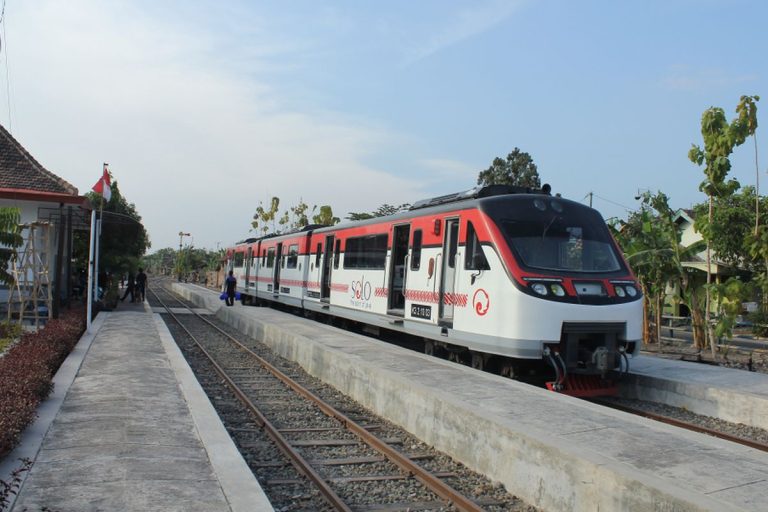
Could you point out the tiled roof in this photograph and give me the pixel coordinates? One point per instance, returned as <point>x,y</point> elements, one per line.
<point>20,171</point>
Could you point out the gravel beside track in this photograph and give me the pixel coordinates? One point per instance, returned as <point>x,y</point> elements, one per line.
<point>318,437</point>
<point>735,429</point>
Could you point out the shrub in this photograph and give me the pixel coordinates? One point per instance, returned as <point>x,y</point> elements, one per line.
<point>26,371</point>
<point>9,332</point>
<point>17,409</point>
<point>759,323</point>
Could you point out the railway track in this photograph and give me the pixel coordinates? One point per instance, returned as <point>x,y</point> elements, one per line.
<point>310,447</point>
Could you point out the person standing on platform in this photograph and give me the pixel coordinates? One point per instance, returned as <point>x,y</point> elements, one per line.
<point>141,285</point>
<point>230,284</point>
<point>129,287</point>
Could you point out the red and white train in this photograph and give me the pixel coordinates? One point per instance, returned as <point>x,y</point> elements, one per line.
<point>495,276</point>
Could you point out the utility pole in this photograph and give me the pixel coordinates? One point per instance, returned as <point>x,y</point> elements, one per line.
<point>181,237</point>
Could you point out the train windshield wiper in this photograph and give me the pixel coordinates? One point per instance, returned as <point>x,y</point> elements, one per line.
<point>544,233</point>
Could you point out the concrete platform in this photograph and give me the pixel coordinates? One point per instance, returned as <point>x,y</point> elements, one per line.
<point>732,395</point>
<point>554,451</point>
<point>129,428</point>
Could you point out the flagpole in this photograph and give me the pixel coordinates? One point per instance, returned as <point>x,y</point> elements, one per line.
<point>90,270</point>
<point>99,223</point>
<point>100,188</point>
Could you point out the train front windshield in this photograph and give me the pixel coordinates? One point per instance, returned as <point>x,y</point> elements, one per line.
<point>550,234</point>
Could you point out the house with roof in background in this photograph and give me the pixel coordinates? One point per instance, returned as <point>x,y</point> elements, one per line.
<point>721,271</point>
<point>51,210</point>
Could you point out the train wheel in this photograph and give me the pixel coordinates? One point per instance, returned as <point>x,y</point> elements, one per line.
<point>433,348</point>
<point>508,370</point>
<point>478,361</point>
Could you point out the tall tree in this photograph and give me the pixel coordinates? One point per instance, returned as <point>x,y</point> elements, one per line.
<point>263,216</point>
<point>292,219</point>
<point>299,214</point>
<point>325,216</point>
<point>731,230</point>
<point>720,138</point>
<point>747,111</point>
<point>124,240</point>
<point>518,170</point>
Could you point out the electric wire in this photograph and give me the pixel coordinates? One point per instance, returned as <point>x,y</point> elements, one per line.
<point>614,203</point>
<point>4,46</point>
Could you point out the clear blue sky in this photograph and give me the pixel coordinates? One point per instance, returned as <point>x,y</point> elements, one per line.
<point>205,108</point>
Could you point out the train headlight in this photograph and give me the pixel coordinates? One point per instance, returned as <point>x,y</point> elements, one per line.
<point>631,291</point>
<point>539,288</point>
<point>620,291</point>
<point>558,290</point>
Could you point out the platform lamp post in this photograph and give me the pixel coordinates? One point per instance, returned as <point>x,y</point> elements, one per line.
<point>181,237</point>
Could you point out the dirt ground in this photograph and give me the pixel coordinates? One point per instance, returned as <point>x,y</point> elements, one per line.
<point>729,356</point>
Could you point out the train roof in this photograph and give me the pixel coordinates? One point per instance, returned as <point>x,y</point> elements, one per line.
<point>459,200</point>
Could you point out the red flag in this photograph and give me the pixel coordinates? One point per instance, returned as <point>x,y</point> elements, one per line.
<point>104,185</point>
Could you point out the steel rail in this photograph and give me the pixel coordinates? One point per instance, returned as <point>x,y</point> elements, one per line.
<point>299,462</point>
<point>682,424</point>
<point>433,483</point>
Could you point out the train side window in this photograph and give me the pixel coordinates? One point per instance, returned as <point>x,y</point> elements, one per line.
<point>263,257</point>
<point>293,256</point>
<point>336,254</point>
<point>453,240</point>
<point>474,258</point>
<point>416,250</point>
<point>318,254</point>
<point>271,257</point>
<point>368,251</point>
<point>239,257</point>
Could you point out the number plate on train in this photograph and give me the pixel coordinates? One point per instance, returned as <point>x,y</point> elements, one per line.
<point>420,311</point>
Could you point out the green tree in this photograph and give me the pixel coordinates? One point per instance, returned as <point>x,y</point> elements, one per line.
<point>650,241</point>
<point>10,241</point>
<point>263,216</point>
<point>720,138</point>
<point>518,170</point>
<point>124,240</point>
<point>299,214</point>
<point>731,229</point>
<point>294,218</point>
<point>359,216</point>
<point>325,216</point>
<point>747,111</point>
<point>161,262</point>
<point>381,211</point>
<point>284,221</point>
<point>735,242</point>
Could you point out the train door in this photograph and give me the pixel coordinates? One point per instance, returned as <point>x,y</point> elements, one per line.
<point>397,270</point>
<point>448,273</point>
<point>278,261</point>
<point>248,265</point>
<point>257,266</point>
<point>325,278</point>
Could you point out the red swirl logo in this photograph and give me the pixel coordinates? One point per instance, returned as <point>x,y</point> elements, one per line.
<point>481,302</point>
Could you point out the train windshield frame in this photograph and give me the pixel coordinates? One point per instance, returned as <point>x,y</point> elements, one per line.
<point>555,235</point>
